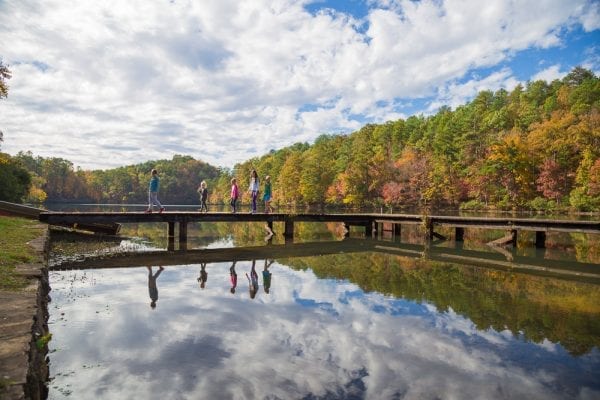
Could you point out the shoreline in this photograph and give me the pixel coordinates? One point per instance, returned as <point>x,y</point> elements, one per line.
<point>24,330</point>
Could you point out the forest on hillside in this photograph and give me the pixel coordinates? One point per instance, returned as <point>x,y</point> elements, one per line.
<point>534,147</point>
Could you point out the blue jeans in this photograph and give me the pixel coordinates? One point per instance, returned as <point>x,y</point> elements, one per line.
<point>254,197</point>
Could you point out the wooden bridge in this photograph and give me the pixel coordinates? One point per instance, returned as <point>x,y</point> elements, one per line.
<point>371,222</point>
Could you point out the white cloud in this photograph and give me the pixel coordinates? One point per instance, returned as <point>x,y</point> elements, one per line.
<point>590,17</point>
<point>549,74</point>
<point>109,83</point>
<point>454,94</point>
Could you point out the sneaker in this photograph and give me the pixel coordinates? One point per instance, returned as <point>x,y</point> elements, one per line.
<point>148,211</point>
<point>161,210</point>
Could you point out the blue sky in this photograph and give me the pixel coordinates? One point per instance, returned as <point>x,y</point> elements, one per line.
<point>112,83</point>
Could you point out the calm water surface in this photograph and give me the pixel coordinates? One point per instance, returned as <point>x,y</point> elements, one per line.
<point>364,325</point>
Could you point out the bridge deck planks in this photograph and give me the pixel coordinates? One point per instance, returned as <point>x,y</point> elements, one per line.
<point>529,224</point>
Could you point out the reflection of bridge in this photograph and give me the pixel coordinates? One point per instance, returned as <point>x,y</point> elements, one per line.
<point>506,261</point>
<point>372,223</point>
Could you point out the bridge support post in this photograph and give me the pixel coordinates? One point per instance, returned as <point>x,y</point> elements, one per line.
<point>459,235</point>
<point>183,235</point>
<point>540,239</point>
<point>288,231</point>
<point>346,229</point>
<point>429,228</point>
<point>171,237</point>
<point>397,231</point>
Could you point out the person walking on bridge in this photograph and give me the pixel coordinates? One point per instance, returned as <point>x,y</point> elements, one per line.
<point>203,191</point>
<point>234,195</point>
<point>253,189</point>
<point>153,193</point>
<point>267,195</point>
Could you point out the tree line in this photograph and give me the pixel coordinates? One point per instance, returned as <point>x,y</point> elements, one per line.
<point>534,147</point>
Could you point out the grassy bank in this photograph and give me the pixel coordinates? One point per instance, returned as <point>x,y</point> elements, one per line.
<point>14,250</point>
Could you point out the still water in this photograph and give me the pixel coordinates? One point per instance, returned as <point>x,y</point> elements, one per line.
<point>349,324</point>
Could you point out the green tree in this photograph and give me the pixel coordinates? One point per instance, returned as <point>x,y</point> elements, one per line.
<point>14,179</point>
<point>318,170</point>
<point>577,76</point>
<point>5,74</point>
<point>357,180</point>
<point>288,187</point>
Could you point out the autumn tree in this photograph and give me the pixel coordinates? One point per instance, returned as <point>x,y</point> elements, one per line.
<point>512,167</point>
<point>552,180</point>
<point>411,179</point>
<point>584,195</point>
<point>594,179</point>
<point>288,186</point>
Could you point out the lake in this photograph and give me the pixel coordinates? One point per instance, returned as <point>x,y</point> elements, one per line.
<point>341,319</point>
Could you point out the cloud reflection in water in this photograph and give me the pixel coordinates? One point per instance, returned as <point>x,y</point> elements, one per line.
<point>308,338</point>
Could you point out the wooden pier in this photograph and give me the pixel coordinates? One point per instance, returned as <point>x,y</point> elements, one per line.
<point>372,223</point>
<point>23,211</point>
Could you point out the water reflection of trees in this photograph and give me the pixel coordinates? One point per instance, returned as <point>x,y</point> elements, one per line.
<point>539,308</point>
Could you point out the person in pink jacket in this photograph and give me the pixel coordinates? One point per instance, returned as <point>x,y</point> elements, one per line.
<point>234,195</point>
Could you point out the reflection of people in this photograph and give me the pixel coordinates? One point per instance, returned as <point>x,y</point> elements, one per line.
<point>233,277</point>
<point>252,280</point>
<point>269,230</point>
<point>152,289</point>
<point>267,195</point>
<point>269,236</point>
<point>267,276</point>
<point>203,191</point>
<point>253,188</point>
<point>234,195</point>
<point>153,193</point>
<point>203,275</point>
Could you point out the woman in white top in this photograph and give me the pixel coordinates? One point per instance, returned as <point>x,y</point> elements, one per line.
<point>254,185</point>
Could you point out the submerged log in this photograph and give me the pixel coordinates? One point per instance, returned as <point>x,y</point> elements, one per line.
<point>509,239</point>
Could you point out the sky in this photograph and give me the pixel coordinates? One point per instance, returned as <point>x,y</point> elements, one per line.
<point>111,83</point>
